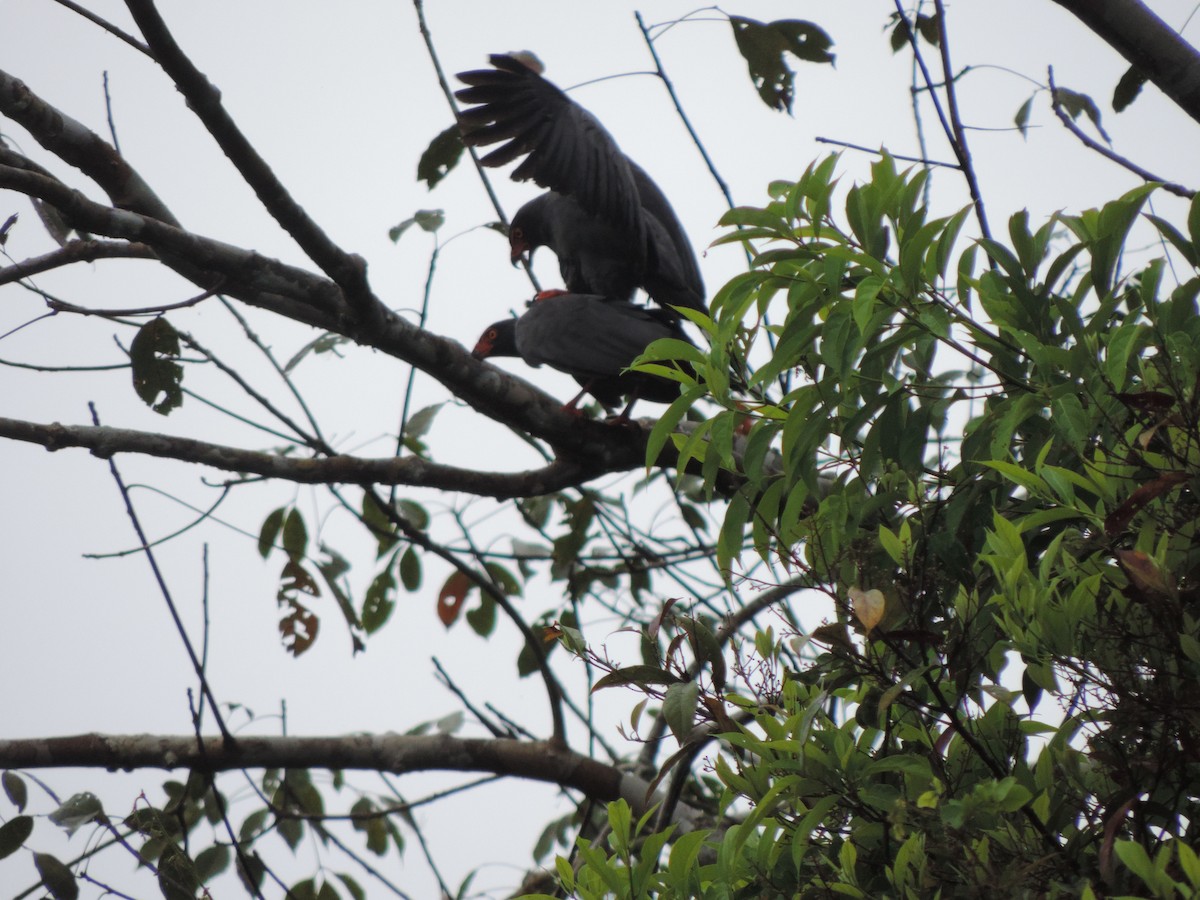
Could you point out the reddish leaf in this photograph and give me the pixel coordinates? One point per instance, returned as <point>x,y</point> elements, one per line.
<point>296,578</point>
<point>452,596</point>
<point>1150,401</point>
<point>1116,520</point>
<point>298,628</point>
<point>298,625</point>
<point>1144,572</point>
<point>833,634</point>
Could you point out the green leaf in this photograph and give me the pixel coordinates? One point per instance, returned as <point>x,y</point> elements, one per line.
<point>1021,119</point>
<point>77,811</point>
<point>1128,88</point>
<point>482,619</point>
<point>732,535</point>
<point>1193,221</point>
<point>410,569</point>
<point>420,421</point>
<point>638,675</point>
<point>177,875</point>
<point>669,421</point>
<point>14,788</point>
<point>1075,103</point>
<point>14,833</point>
<point>355,889</point>
<point>427,219</point>
<point>764,47</point>
<point>679,708</point>
<point>295,535</point>
<point>325,343</point>
<point>157,378</point>
<point>380,600</point>
<point>1135,857</point>
<point>56,877</point>
<point>927,27</point>
<point>212,861</point>
<point>270,531</point>
<point>442,155</point>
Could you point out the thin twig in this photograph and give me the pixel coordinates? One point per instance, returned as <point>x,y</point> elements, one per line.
<point>488,586</point>
<point>209,776</point>
<point>112,125</point>
<point>448,91</point>
<point>1107,153</point>
<point>64,306</point>
<point>107,26</point>
<point>166,593</point>
<point>924,161</point>
<point>422,318</point>
<point>662,76</point>
<point>253,337</point>
<point>346,270</point>
<point>953,131</point>
<point>72,252</point>
<point>961,149</point>
<point>313,441</point>
<point>487,723</point>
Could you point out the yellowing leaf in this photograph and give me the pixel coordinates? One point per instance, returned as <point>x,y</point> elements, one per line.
<point>868,606</point>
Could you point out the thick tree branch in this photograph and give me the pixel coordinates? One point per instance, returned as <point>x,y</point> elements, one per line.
<point>304,297</point>
<point>586,448</point>
<point>1148,43</point>
<point>104,442</point>
<point>348,271</point>
<point>81,147</point>
<point>271,284</point>
<point>543,761</point>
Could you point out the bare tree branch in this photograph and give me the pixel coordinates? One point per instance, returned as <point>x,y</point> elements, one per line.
<point>544,761</point>
<point>347,270</point>
<point>73,252</point>
<point>410,470</point>
<point>78,145</point>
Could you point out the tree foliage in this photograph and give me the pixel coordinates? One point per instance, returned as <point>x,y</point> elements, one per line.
<point>980,452</point>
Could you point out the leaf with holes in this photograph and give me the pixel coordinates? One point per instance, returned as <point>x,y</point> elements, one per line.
<point>452,596</point>
<point>157,378</point>
<point>764,45</point>
<point>440,157</point>
<point>298,628</point>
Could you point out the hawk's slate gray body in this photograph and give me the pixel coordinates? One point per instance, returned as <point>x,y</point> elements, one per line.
<point>592,340</point>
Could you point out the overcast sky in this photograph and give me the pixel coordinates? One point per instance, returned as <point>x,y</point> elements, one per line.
<point>341,100</point>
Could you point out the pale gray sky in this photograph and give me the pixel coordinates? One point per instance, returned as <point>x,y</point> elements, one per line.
<point>341,100</point>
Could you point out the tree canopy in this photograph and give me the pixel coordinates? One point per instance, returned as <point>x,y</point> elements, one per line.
<point>899,597</point>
